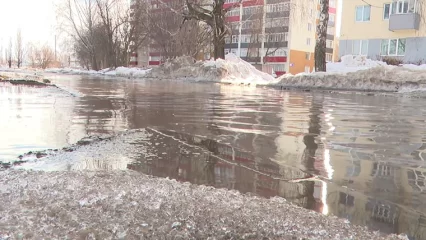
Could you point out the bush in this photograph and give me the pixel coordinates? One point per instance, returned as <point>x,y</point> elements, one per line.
<point>392,61</point>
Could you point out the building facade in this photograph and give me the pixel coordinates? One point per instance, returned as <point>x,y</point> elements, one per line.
<point>289,30</point>
<point>276,36</point>
<point>383,29</point>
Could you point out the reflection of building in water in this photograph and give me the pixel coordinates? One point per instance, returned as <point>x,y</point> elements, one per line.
<point>297,146</point>
<point>401,187</point>
<point>223,166</point>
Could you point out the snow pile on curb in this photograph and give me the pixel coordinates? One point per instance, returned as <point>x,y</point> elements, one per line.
<point>352,63</point>
<point>73,71</point>
<point>118,72</point>
<point>361,74</point>
<point>127,72</point>
<point>128,205</point>
<point>231,70</point>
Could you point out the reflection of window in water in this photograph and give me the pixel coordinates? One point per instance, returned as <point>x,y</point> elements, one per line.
<point>422,220</point>
<point>353,170</point>
<point>346,199</point>
<point>381,169</point>
<point>382,213</point>
<point>416,179</point>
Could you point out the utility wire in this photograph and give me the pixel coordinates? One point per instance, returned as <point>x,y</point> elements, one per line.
<point>371,4</point>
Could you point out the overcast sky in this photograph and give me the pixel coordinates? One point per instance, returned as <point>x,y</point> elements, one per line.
<point>36,18</point>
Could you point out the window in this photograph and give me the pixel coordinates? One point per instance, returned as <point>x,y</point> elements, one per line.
<point>278,68</point>
<point>245,38</point>
<point>234,12</point>
<point>328,57</point>
<point>386,10</point>
<point>309,27</point>
<point>393,47</point>
<point>280,53</point>
<point>363,13</point>
<point>308,41</point>
<point>234,39</point>
<point>277,37</point>
<point>400,7</point>
<point>360,47</point>
<point>307,69</point>
<point>329,43</point>
<point>243,52</point>
<point>331,17</point>
<point>308,56</point>
<point>277,7</point>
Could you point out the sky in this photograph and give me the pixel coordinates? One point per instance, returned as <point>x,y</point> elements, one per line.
<point>35,18</point>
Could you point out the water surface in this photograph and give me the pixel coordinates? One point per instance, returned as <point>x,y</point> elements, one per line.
<point>368,151</point>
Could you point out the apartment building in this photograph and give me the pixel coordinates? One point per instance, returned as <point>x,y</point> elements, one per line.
<point>276,36</point>
<point>289,30</point>
<point>383,28</point>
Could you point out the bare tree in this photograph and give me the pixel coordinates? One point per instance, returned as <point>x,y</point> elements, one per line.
<point>40,56</point>
<point>321,44</point>
<point>105,31</point>
<point>31,55</point>
<point>214,16</point>
<point>9,54</point>
<point>173,39</point>
<point>19,49</point>
<point>78,19</point>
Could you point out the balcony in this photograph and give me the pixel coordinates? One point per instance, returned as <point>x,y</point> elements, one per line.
<point>405,21</point>
<point>403,15</point>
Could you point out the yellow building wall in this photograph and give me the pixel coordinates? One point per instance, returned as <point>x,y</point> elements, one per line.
<point>376,28</point>
<point>298,62</point>
<point>302,12</point>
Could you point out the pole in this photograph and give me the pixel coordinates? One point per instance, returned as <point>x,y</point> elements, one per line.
<point>262,51</point>
<point>55,49</point>
<point>240,29</point>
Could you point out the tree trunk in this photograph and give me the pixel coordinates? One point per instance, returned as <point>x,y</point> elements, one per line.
<point>219,48</point>
<point>94,63</point>
<point>321,43</point>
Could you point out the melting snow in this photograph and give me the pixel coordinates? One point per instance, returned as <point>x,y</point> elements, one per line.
<point>231,70</point>
<point>362,74</point>
<point>129,205</point>
<point>118,72</point>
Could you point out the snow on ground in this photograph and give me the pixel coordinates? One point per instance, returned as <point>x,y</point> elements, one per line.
<point>129,205</point>
<point>118,72</point>
<point>361,74</point>
<point>351,63</point>
<point>231,70</point>
<point>127,72</point>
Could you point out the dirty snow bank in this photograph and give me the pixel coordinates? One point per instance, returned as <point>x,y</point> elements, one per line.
<point>118,72</point>
<point>352,63</point>
<point>358,73</point>
<point>128,205</point>
<point>231,70</point>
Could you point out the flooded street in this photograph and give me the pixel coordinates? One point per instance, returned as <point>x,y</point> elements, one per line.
<point>366,151</point>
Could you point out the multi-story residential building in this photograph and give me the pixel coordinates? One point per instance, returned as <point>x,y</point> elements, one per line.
<point>289,30</point>
<point>383,28</point>
<point>276,36</point>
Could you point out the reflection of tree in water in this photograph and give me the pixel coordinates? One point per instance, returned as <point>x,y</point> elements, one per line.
<point>308,159</point>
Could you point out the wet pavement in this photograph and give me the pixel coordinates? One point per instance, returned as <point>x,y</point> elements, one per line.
<point>367,150</point>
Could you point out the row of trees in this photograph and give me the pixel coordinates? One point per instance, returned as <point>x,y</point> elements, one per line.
<point>17,52</point>
<point>13,53</point>
<point>104,32</point>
